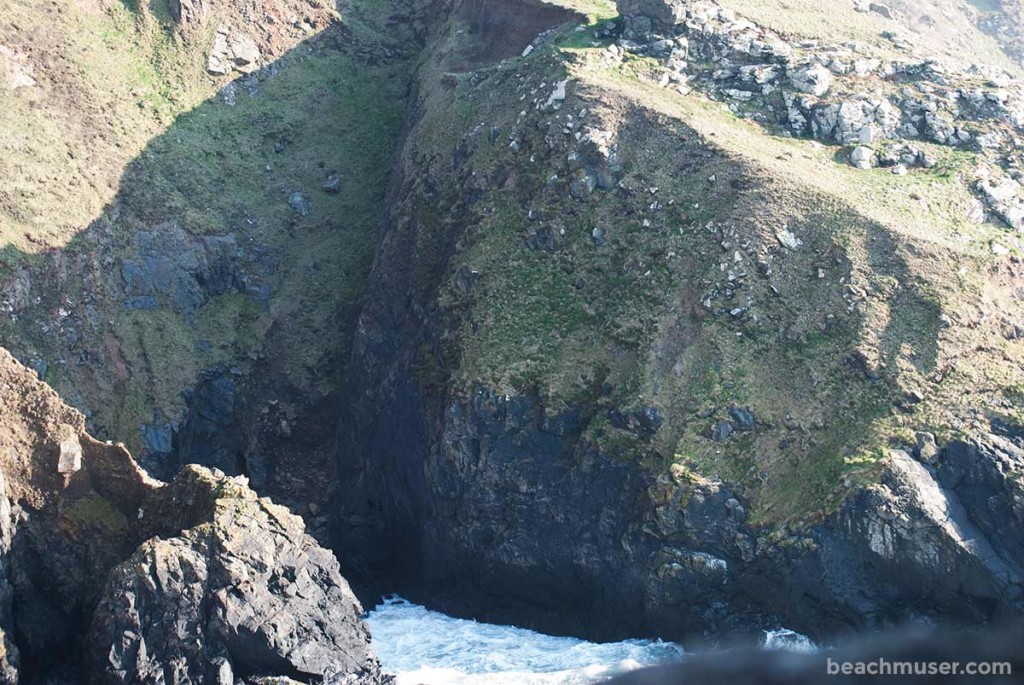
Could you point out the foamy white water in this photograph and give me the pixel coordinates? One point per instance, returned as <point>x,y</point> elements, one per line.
<point>787,639</point>
<point>424,647</point>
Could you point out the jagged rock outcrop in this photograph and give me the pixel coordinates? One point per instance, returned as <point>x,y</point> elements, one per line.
<point>134,580</point>
<point>245,592</point>
<point>932,535</point>
<point>189,14</point>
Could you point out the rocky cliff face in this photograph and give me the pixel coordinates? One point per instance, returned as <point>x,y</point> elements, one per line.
<point>628,366</point>
<point>684,318</point>
<point>110,573</point>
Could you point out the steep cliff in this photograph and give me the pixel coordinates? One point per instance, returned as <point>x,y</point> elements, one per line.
<point>676,318</point>
<point>116,577</point>
<point>636,361</point>
<point>191,192</point>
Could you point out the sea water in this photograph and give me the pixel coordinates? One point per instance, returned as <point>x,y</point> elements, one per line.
<point>426,647</point>
<point>423,646</point>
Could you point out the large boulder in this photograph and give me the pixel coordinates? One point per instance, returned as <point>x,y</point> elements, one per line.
<point>232,51</point>
<point>814,79</point>
<point>245,593</point>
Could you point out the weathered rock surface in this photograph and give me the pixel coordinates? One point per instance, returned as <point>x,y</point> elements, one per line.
<point>568,539</point>
<point>233,51</point>
<point>188,13</point>
<point>224,585</point>
<point>663,14</point>
<point>247,593</point>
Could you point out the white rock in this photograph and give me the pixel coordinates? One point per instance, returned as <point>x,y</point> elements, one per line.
<point>862,157</point>
<point>70,460</point>
<point>815,79</point>
<point>17,68</point>
<point>787,239</point>
<point>558,94</point>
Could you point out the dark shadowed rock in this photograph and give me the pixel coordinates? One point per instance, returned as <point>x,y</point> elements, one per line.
<point>722,430</point>
<point>9,657</point>
<point>645,422</point>
<point>332,184</point>
<point>743,418</point>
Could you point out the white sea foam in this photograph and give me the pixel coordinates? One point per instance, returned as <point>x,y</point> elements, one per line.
<point>789,640</point>
<point>424,647</point>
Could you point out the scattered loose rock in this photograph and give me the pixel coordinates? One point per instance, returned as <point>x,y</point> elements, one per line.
<point>926,450</point>
<point>332,184</point>
<point>232,51</point>
<point>302,205</point>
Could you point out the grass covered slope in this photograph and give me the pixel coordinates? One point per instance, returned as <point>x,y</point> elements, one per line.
<point>716,301</point>
<point>159,221</point>
<point>950,29</point>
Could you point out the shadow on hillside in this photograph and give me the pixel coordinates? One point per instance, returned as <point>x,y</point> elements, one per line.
<point>205,315</point>
<point>912,330</point>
